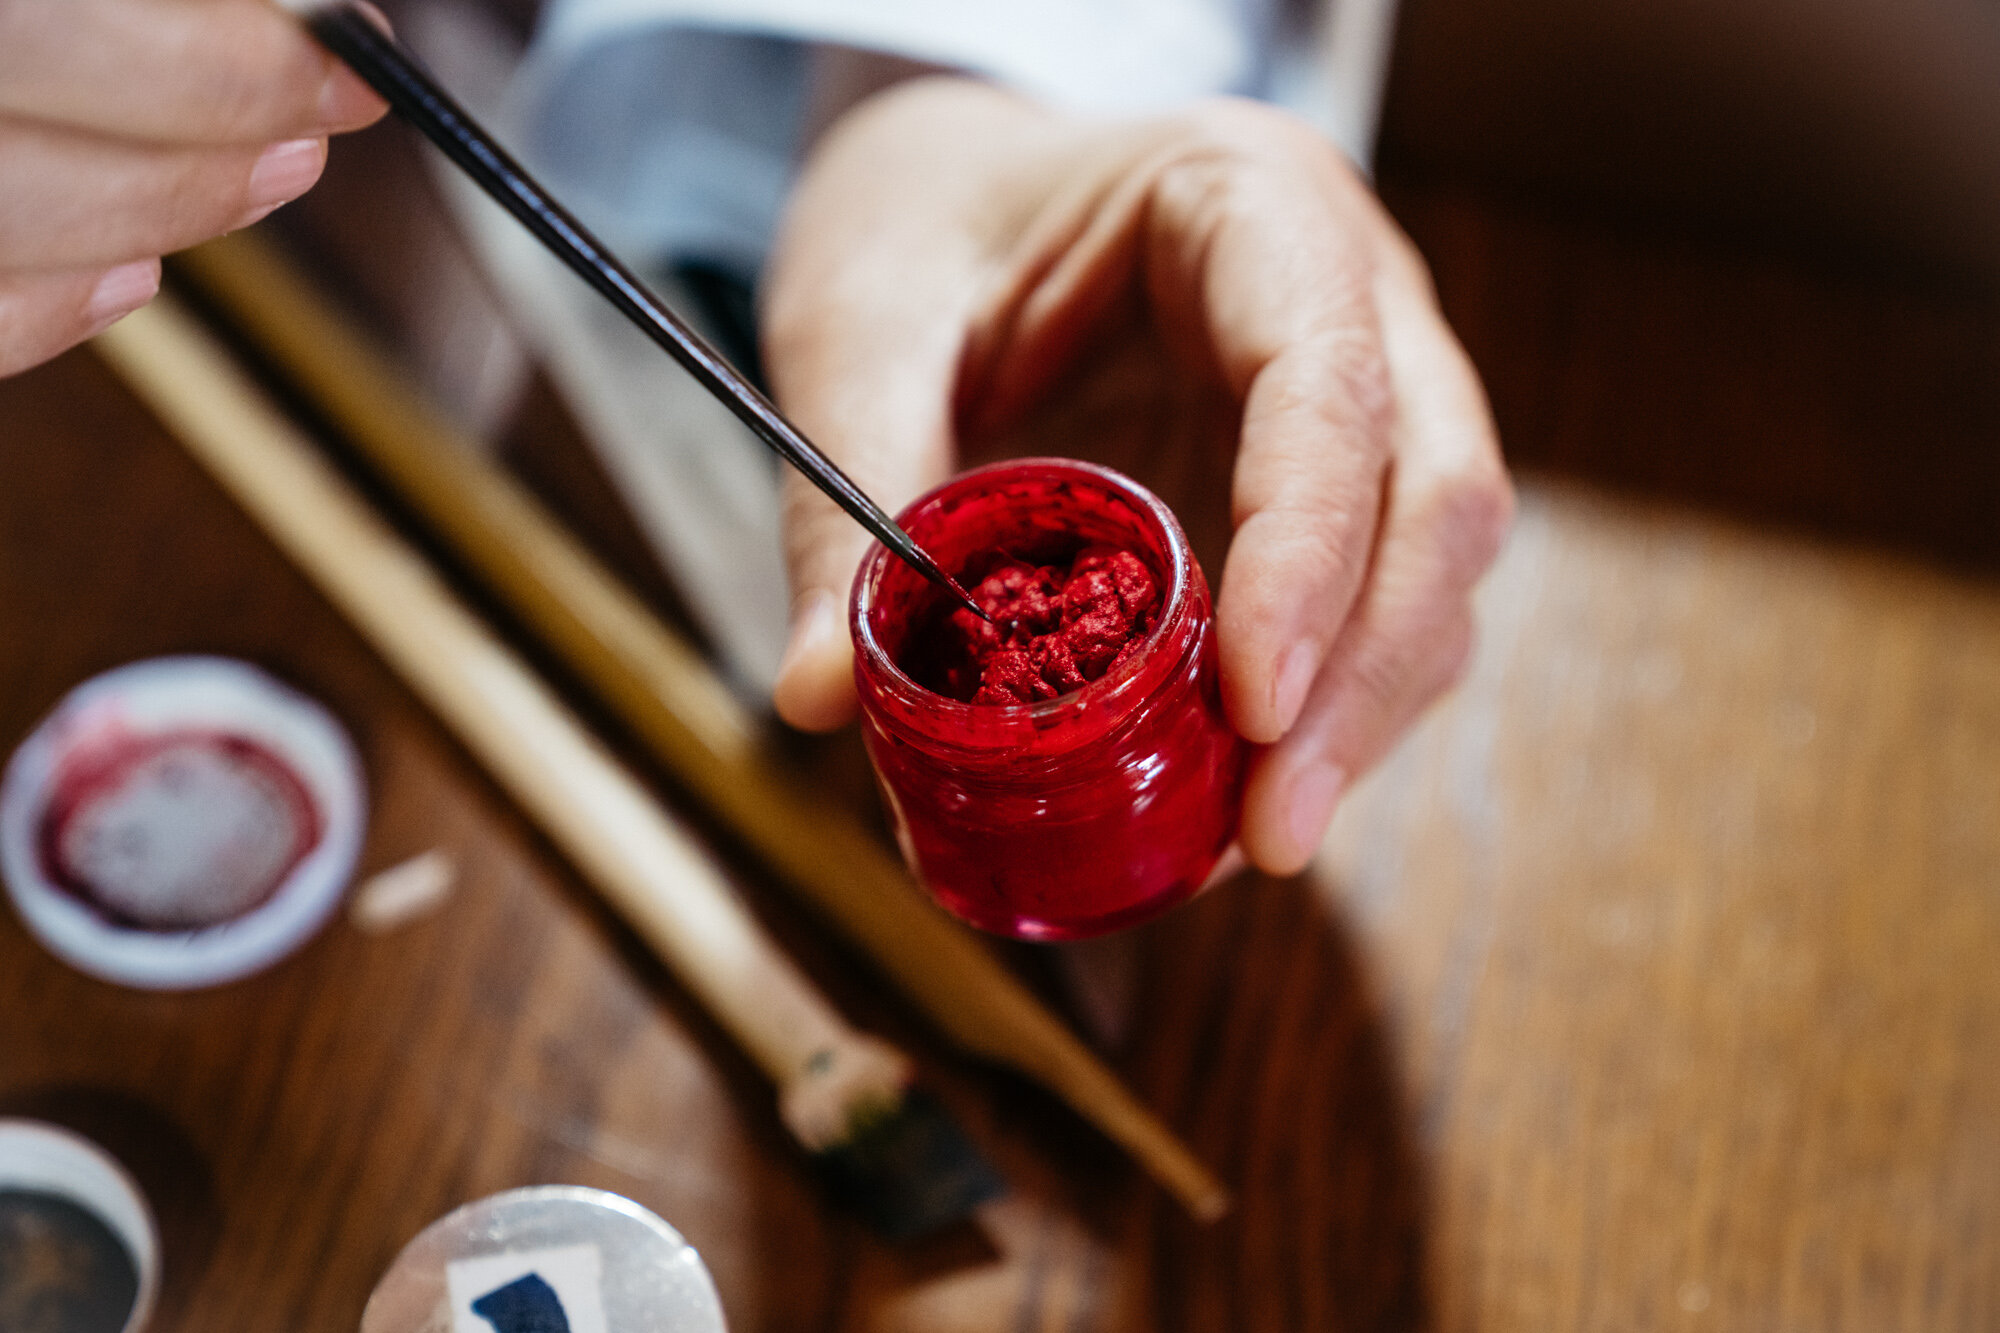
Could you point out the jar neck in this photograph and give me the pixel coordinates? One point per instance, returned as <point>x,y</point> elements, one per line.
<point>984,510</point>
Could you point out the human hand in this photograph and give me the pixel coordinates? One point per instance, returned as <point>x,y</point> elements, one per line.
<point>133,128</point>
<point>1210,300</point>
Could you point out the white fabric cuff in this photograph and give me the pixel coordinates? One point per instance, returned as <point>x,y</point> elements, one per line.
<point>1111,56</point>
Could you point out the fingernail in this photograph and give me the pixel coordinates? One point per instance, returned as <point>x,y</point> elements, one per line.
<point>283,173</point>
<point>121,291</point>
<point>1314,793</point>
<point>1295,677</point>
<point>345,101</point>
<point>813,625</point>
<point>375,16</point>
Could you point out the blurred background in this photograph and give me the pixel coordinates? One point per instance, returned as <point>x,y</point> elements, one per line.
<point>1846,128</point>
<point>1813,184</point>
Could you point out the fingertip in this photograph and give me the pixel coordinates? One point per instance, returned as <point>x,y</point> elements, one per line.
<point>374,15</point>
<point>1286,813</point>
<point>121,291</point>
<point>281,173</point>
<point>346,103</point>
<point>1265,685</point>
<point>1294,677</point>
<point>815,685</point>
<point>817,698</point>
<point>1244,703</point>
<point>43,315</point>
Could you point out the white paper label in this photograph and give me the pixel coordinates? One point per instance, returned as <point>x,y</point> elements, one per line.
<point>528,1291</point>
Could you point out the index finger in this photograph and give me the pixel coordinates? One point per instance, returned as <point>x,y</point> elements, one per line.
<point>174,71</point>
<point>1286,284</point>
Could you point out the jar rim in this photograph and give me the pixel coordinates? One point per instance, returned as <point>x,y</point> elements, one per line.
<point>1108,692</point>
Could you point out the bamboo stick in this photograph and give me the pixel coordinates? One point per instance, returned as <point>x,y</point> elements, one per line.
<point>644,863</point>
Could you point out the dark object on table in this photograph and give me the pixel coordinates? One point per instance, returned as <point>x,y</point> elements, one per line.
<point>62,1270</point>
<point>910,1172</point>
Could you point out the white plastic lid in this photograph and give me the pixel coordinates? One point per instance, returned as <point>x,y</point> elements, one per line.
<point>548,1256</point>
<point>228,775</point>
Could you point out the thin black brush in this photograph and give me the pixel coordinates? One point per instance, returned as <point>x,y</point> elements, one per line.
<point>402,81</point>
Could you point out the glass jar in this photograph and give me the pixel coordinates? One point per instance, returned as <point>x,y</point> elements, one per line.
<point>1072,816</point>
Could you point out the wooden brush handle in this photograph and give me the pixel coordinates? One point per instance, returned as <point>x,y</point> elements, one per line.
<point>644,864</point>
<point>666,693</point>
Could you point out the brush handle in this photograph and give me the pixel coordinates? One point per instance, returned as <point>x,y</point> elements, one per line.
<point>418,98</point>
<point>661,688</point>
<point>649,869</point>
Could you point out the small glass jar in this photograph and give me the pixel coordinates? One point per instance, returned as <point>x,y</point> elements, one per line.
<point>1072,816</point>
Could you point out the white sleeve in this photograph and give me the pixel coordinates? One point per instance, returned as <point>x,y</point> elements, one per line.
<point>1093,55</point>
<point>674,123</point>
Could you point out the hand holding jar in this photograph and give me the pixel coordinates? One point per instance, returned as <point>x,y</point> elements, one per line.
<point>1210,300</point>
<point>1062,768</point>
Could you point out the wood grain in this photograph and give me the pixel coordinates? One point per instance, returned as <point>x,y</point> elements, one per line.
<point>1699,997</point>
<point>1650,985</point>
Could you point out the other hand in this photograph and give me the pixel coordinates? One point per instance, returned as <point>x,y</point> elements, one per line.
<point>133,128</point>
<point>1211,300</point>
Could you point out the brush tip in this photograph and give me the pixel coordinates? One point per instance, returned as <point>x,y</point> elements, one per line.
<point>908,1171</point>
<point>965,600</point>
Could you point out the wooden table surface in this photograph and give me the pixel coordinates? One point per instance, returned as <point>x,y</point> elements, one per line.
<point>1653,983</point>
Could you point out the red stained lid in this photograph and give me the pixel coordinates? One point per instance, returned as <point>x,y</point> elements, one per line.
<point>180,822</point>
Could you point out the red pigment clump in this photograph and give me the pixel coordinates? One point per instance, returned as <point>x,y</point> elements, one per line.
<point>1053,629</point>
<point>175,831</point>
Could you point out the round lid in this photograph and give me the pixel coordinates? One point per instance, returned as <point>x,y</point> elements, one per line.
<point>180,822</point>
<point>78,1229</point>
<point>549,1257</point>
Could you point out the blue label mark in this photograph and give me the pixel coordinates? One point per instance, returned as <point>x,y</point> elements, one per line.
<point>525,1305</point>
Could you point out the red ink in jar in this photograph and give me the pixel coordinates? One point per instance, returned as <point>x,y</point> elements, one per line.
<point>1048,629</point>
<point>1096,805</point>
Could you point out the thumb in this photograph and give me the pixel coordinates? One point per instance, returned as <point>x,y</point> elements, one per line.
<point>815,686</point>
<point>872,389</point>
